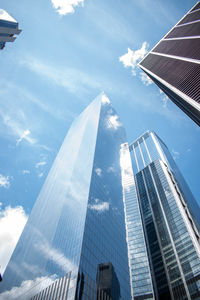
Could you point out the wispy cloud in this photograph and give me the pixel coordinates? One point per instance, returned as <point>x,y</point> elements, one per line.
<point>175,154</point>
<point>105,99</point>
<point>145,79</point>
<point>25,136</point>
<point>98,171</point>
<point>164,98</point>
<point>25,290</point>
<point>99,206</point>
<point>64,7</point>
<point>56,256</point>
<point>12,221</point>
<point>112,169</point>
<point>112,26</point>
<point>25,172</point>
<point>24,96</point>
<point>40,167</point>
<point>4,181</point>
<point>74,80</point>
<point>114,122</point>
<point>16,127</point>
<point>132,57</point>
<point>40,164</point>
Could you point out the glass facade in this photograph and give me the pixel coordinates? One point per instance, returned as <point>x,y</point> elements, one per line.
<point>170,227</point>
<point>141,281</point>
<point>77,225</point>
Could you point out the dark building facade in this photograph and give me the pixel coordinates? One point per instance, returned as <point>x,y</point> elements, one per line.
<point>174,64</point>
<point>171,219</point>
<point>107,283</point>
<point>77,224</point>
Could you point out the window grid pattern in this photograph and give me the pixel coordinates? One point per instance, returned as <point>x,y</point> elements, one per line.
<point>184,31</point>
<point>189,260</point>
<point>190,17</point>
<point>173,257</point>
<point>181,41</point>
<point>197,6</point>
<point>138,260</point>
<point>78,220</point>
<point>180,48</point>
<point>183,75</point>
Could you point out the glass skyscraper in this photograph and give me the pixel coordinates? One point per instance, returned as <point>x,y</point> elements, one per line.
<point>140,275</point>
<point>171,219</point>
<point>174,64</point>
<point>8,28</point>
<point>74,243</point>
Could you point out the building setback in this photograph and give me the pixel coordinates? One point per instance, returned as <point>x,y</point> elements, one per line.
<point>76,232</point>
<point>171,219</point>
<point>174,64</point>
<point>8,28</point>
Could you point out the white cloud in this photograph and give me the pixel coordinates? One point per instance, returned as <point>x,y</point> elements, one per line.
<point>57,257</point>
<point>16,127</point>
<point>145,79</point>
<point>99,206</point>
<point>98,172</point>
<point>164,98</point>
<point>25,172</point>
<point>111,169</point>
<point>64,7</point>
<point>12,221</point>
<point>131,58</point>
<point>40,164</point>
<point>105,99</point>
<point>24,136</point>
<point>4,181</point>
<point>113,122</point>
<point>175,154</point>
<point>25,290</point>
<point>74,80</point>
<point>126,168</point>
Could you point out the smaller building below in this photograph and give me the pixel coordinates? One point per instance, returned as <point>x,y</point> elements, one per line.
<point>8,28</point>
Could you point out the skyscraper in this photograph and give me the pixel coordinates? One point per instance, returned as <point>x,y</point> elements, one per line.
<point>140,274</point>
<point>174,64</point>
<point>77,224</point>
<point>171,219</point>
<point>8,28</point>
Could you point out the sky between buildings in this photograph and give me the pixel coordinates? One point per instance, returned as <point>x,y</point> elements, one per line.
<point>65,56</point>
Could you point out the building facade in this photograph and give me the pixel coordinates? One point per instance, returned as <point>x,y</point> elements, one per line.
<point>140,273</point>
<point>174,64</point>
<point>77,225</point>
<point>171,219</point>
<point>8,28</point>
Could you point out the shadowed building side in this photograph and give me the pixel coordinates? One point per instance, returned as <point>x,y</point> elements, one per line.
<point>174,64</point>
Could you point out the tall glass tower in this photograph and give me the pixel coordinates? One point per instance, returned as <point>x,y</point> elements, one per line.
<point>140,275</point>
<point>171,219</point>
<point>74,243</point>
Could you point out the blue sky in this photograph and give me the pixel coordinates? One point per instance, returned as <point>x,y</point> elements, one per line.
<point>65,56</point>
